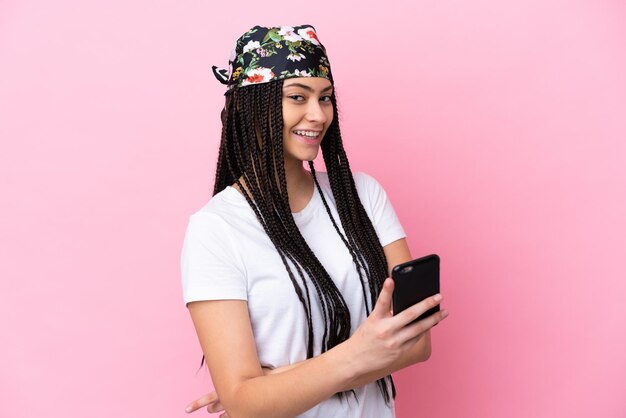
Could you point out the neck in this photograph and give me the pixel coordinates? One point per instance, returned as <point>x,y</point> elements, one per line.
<point>299,180</point>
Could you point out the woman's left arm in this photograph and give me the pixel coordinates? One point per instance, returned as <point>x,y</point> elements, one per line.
<point>396,252</point>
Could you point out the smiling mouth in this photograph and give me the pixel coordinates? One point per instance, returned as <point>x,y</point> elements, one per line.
<point>311,135</point>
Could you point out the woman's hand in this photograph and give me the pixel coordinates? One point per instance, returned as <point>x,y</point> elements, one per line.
<point>383,338</point>
<point>211,401</point>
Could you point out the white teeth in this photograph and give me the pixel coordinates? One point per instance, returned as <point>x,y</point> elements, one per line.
<point>307,133</point>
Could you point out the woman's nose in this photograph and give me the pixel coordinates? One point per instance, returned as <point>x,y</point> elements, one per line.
<point>315,113</point>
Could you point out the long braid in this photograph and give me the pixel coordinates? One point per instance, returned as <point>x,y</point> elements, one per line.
<point>252,147</point>
<point>354,219</point>
<point>357,263</point>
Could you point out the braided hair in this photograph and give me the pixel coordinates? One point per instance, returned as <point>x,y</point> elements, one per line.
<point>252,147</point>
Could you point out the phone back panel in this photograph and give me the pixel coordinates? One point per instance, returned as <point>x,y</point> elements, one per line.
<point>415,280</point>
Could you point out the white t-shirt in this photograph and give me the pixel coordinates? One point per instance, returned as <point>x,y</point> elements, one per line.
<point>227,254</point>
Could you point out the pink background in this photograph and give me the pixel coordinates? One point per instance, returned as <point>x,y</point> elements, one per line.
<point>497,129</point>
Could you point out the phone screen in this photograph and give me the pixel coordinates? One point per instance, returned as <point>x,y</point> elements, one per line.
<point>415,281</point>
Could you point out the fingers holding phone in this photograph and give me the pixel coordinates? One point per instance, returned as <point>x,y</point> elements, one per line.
<point>418,312</point>
<point>413,328</point>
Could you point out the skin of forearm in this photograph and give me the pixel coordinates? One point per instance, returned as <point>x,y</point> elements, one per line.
<point>419,352</point>
<point>276,395</point>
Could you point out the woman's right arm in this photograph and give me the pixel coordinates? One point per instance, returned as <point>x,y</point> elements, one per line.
<point>225,334</point>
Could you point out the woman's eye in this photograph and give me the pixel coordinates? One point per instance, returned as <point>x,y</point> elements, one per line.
<point>300,98</point>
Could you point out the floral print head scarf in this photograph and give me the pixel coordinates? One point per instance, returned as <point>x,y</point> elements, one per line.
<point>265,54</point>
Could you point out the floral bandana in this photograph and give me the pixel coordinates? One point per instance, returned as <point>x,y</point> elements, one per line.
<point>265,54</point>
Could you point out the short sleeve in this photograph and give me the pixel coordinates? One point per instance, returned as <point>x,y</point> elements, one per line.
<point>379,209</point>
<point>209,264</point>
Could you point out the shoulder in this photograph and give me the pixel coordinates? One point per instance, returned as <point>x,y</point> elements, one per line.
<point>221,209</point>
<point>206,231</point>
<point>367,184</point>
<point>214,210</point>
<point>213,221</point>
<point>378,206</point>
<point>209,237</point>
<point>206,220</point>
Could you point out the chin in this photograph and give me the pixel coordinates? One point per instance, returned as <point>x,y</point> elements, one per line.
<point>304,155</point>
<point>312,155</point>
<point>307,158</point>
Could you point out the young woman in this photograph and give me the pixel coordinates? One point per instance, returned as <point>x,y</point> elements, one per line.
<point>285,270</point>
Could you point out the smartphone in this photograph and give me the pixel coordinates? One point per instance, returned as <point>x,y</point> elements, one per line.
<point>415,280</point>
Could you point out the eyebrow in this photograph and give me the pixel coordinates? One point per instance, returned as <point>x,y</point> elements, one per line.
<point>304,86</point>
